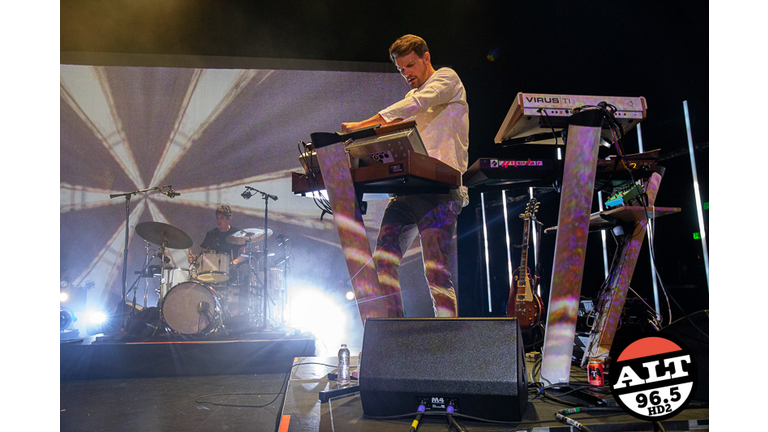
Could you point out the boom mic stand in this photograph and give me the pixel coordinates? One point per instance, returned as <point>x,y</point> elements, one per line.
<point>266,197</point>
<point>111,326</point>
<point>128,196</point>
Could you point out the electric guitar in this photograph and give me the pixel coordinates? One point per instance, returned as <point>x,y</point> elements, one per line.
<point>523,303</point>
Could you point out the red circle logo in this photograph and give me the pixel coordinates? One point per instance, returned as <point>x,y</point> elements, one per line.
<point>654,378</point>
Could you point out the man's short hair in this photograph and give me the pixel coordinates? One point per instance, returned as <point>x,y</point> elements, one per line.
<point>225,210</point>
<point>405,44</point>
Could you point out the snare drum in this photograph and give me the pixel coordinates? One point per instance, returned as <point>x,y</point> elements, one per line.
<point>211,267</point>
<point>192,308</point>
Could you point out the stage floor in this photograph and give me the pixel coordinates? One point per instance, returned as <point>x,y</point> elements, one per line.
<point>287,400</point>
<point>170,383</point>
<point>303,411</point>
<point>249,402</point>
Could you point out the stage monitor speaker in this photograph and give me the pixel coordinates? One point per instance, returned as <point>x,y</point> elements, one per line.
<point>476,365</point>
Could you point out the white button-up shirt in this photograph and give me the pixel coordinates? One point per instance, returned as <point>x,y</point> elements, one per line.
<point>441,112</point>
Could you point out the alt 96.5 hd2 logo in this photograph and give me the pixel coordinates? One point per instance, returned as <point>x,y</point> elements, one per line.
<point>654,378</point>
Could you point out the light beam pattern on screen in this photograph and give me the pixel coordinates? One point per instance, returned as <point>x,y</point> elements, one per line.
<point>209,92</point>
<point>209,132</point>
<point>87,92</point>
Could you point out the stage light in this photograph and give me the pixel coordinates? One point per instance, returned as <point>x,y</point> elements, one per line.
<point>311,310</point>
<point>66,317</point>
<point>95,321</point>
<point>63,297</point>
<point>96,317</point>
<point>350,295</point>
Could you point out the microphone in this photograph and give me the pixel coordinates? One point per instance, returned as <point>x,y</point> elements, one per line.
<point>247,194</point>
<point>172,193</point>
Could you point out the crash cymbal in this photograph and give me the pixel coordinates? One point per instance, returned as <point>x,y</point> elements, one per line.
<point>164,235</point>
<point>248,235</point>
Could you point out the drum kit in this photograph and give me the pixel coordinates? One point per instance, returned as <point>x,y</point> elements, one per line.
<point>211,295</point>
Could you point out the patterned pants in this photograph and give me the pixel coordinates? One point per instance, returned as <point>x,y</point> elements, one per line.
<point>433,218</point>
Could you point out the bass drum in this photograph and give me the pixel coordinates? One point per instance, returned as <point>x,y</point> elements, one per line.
<point>192,308</point>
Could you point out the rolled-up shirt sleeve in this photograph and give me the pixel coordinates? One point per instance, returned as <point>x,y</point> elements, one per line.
<point>441,88</point>
<point>440,110</point>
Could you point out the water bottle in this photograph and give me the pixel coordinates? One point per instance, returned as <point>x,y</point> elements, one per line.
<point>343,377</point>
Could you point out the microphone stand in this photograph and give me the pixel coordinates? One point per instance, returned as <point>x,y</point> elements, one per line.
<point>265,269</point>
<point>121,309</point>
<point>128,196</point>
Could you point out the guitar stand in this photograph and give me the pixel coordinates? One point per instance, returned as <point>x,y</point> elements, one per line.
<point>537,233</point>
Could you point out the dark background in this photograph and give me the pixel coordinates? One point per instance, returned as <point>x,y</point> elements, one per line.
<point>658,50</point>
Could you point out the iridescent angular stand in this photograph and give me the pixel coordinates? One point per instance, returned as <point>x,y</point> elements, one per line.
<point>604,330</point>
<point>570,246</point>
<point>347,216</point>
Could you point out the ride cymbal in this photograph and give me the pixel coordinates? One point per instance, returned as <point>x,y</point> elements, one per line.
<point>163,234</point>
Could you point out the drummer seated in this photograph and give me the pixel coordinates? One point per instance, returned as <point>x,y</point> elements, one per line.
<point>216,239</point>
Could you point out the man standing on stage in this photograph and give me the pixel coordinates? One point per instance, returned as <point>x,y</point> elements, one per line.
<point>437,102</point>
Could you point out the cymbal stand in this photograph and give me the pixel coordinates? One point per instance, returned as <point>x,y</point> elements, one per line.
<point>166,272</point>
<point>166,280</point>
<point>128,196</point>
<point>146,282</point>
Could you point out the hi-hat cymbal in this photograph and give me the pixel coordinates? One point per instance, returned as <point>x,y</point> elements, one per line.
<point>164,235</point>
<point>248,235</point>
